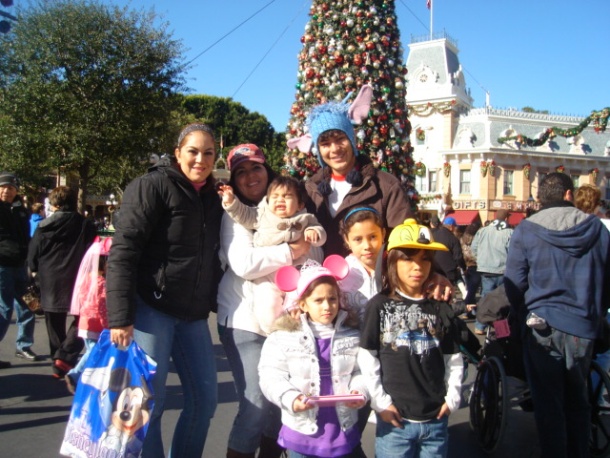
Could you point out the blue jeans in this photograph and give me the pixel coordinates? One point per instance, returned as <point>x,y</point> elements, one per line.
<point>76,371</point>
<point>557,366</point>
<point>356,453</point>
<point>256,416</point>
<point>189,345</point>
<point>13,282</point>
<point>425,440</point>
<point>488,284</point>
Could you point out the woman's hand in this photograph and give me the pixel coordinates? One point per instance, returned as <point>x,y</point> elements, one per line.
<point>299,404</point>
<point>226,192</point>
<point>391,415</point>
<point>439,288</point>
<point>122,336</point>
<point>299,248</point>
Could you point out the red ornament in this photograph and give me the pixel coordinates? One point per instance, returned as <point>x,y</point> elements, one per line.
<point>383,130</point>
<point>370,45</point>
<point>322,49</point>
<point>338,58</point>
<point>357,60</point>
<point>309,73</point>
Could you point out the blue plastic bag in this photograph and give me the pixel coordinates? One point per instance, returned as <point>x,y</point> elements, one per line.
<point>112,404</point>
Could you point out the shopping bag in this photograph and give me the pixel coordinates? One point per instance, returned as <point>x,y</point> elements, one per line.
<point>112,404</point>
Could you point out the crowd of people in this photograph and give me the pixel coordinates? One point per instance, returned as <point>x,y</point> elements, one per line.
<point>332,300</point>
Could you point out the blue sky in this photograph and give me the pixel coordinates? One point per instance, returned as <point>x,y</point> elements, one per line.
<point>550,55</point>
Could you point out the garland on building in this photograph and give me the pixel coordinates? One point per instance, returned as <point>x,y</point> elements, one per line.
<point>492,168</point>
<point>447,169</point>
<point>430,107</point>
<point>420,134</point>
<point>526,170</point>
<point>560,169</point>
<point>594,174</point>
<point>599,119</point>
<point>345,45</point>
<point>419,169</point>
<point>484,168</point>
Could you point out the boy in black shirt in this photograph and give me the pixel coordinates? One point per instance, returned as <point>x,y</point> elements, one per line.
<point>414,365</point>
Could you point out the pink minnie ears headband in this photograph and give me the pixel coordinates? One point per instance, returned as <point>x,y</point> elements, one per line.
<point>334,116</point>
<point>288,278</point>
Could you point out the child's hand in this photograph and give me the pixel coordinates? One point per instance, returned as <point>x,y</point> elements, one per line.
<point>299,404</point>
<point>299,248</point>
<point>295,313</point>
<point>355,404</point>
<point>444,411</point>
<point>439,288</point>
<point>391,415</point>
<point>226,192</point>
<point>311,236</point>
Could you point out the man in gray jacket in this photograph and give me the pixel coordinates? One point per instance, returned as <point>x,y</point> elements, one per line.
<point>490,247</point>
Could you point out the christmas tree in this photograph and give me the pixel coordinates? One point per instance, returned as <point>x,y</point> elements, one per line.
<point>345,45</point>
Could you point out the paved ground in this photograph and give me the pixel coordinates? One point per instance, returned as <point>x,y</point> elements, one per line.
<point>34,409</point>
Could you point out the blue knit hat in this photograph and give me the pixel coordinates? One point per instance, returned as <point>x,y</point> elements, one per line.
<point>334,116</point>
<point>330,116</point>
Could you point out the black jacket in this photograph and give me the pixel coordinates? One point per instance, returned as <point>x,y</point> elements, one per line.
<point>14,233</point>
<point>165,248</point>
<point>449,262</point>
<point>55,253</point>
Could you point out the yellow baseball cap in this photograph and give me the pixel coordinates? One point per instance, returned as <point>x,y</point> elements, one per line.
<point>412,235</point>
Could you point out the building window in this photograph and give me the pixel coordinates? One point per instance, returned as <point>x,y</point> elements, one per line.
<point>575,180</point>
<point>421,184</point>
<point>508,182</point>
<point>464,181</point>
<point>433,181</point>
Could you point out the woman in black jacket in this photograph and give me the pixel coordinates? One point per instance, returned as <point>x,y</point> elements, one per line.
<point>163,275</point>
<point>55,253</point>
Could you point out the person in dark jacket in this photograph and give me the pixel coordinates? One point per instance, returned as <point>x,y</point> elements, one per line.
<point>348,178</point>
<point>557,280</point>
<point>14,239</point>
<point>55,253</point>
<point>451,262</point>
<point>162,281</point>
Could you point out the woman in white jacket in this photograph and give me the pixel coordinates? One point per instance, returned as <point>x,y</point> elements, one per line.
<point>257,422</point>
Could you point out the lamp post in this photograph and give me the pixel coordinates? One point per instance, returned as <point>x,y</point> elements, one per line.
<point>111,203</point>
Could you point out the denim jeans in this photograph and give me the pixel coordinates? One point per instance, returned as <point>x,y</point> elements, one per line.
<point>425,440</point>
<point>12,287</point>
<point>557,366</point>
<point>256,416</point>
<point>356,453</point>
<point>76,371</point>
<point>189,345</point>
<point>488,284</point>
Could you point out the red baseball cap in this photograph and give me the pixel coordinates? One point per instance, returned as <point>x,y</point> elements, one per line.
<point>243,153</point>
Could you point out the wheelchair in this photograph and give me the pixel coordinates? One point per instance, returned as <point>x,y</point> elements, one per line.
<point>500,385</point>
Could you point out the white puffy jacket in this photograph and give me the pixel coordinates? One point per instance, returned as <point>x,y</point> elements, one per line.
<point>289,367</point>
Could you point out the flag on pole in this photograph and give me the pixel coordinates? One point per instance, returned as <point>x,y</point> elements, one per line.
<point>428,3</point>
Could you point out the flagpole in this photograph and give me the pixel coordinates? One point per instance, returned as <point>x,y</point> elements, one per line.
<point>431,18</point>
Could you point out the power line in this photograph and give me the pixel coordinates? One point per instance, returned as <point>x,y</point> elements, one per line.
<point>270,49</point>
<point>415,16</point>
<point>227,34</point>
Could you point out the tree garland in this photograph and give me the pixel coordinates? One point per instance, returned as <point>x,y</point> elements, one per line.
<point>598,118</point>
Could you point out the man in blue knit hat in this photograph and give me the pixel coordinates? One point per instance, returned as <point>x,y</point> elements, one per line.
<point>347,178</point>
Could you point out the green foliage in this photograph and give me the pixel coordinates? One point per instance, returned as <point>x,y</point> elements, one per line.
<point>235,124</point>
<point>89,89</point>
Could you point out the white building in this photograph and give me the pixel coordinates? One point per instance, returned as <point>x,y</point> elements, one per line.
<point>459,148</point>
